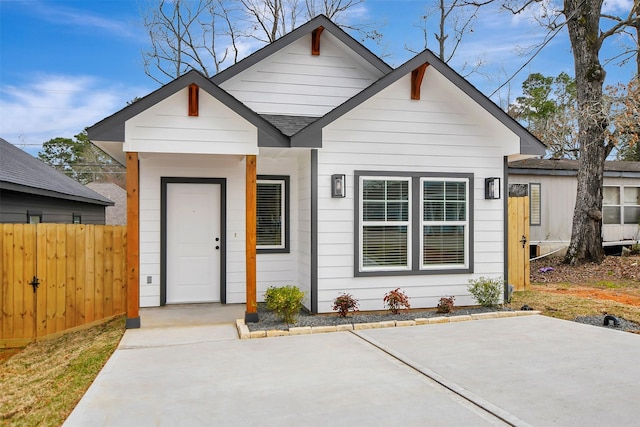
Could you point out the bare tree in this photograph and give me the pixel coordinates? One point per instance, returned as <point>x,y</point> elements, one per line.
<point>453,20</point>
<point>208,35</point>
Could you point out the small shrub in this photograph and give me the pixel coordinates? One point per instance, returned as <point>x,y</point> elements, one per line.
<point>285,301</point>
<point>396,300</point>
<point>446,304</point>
<point>486,290</point>
<point>343,303</point>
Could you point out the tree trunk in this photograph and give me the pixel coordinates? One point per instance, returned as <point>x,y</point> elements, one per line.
<point>586,235</point>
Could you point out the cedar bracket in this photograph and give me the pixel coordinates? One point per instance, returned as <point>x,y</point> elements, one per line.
<point>315,41</point>
<point>416,80</point>
<point>193,100</point>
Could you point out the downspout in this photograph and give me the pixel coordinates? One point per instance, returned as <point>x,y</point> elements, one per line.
<point>314,231</point>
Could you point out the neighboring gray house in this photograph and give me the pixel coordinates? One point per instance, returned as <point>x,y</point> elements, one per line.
<point>116,214</point>
<point>33,192</point>
<point>552,189</point>
<point>367,178</point>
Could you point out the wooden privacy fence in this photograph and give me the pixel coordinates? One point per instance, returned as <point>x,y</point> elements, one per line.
<point>57,277</point>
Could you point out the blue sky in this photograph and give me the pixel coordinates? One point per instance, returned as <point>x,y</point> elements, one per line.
<point>66,64</point>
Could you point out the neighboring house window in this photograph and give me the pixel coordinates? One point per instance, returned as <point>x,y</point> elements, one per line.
<point>413,223</point>
<point>272,214</point>
<point>611,207</point>
<point>34,217</point>
<point>621,205</point>
<point>631,205</point>
<point>534,204</point>
<point>76,219</point>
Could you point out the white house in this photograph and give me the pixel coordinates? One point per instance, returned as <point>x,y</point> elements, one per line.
<point>314,163</point>
<point>552,191</point>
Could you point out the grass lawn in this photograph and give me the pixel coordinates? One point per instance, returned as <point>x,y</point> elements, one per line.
<point>43,383</point>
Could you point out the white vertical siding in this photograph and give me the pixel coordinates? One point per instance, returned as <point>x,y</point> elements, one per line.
<point>440,133</point>
<point>557,202</point>
<point>166,128</point>
<point>293,82</point>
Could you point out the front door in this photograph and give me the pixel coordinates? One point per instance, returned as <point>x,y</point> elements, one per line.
<point>194,241</point>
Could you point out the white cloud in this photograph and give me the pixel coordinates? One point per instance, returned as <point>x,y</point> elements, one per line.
<point>613,6</point>
<point>50,106</point>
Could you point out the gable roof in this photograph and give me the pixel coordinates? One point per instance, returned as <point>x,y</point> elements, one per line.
<point>529,144</point>
<point>21,172</point>
<point>567,167</point>
<point>112,127</point>
<point>301,31</point>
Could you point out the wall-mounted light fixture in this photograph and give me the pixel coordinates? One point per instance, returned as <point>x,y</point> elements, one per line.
<point>337,185</point>
<point>492,188</point>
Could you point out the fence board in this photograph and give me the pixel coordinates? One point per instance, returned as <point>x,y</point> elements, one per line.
<point>81,269</point>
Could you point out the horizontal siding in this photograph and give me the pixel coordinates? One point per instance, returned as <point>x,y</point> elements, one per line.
<point>166,128</point>
<point>272,269</point>
<point>294,82</point>
<point>14,207</point>
<point>390,132</point>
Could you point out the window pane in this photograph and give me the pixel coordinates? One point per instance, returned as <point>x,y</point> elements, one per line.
<point>373,211</point>
<point>611,215</point>
<point>443,244</point>
<point>397,190</point>
<point>455,190</point>
<point>433,190</point>
<point>631,196</point>
<point>269,214</point>
<point>632,215</point>
<point>534,209</point>
<point>373,190</point>
<point>434,211</point>
<point>384,246</point>
<point>611,196</point>
<point>398,211</point>
<point>456,211</point>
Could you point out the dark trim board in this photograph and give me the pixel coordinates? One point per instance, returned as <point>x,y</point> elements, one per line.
<point>287,214</point>
<point>163,231</point>
<point>505,227</point>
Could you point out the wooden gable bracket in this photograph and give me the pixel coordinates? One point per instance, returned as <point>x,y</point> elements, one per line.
<point>416,80</point>
<point>193,100</point>
<point>315,41</point>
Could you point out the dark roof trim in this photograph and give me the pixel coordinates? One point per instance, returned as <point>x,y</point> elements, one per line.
<point>568,167</point>
<point>529,144</point>
<point>9,186</point>
<point>112,127</point>
<point>303,30</point>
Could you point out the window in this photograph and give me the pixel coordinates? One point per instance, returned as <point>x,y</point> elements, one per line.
<point>385,223</point>
<point>76,218</point>
<point>413,223</point>
<point>535,216</point>
<point>272,214</point>
<point>621,205</point>
<point>444,223</point>
<point>34,217</point>
<point>631,205</point>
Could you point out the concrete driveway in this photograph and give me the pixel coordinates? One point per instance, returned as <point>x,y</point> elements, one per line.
<point>529,370</point>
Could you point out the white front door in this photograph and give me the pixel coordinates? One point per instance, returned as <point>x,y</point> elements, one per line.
<point>193,243</point>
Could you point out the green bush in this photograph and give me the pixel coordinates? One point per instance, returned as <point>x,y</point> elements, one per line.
<point>343,303</point>
<point>486,290</point>
<point>285,301</point>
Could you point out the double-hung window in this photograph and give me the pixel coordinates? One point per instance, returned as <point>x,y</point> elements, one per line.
<point>413,223</point>
<point>620,205</point>
<point>445,225</point>
<point>385,223</point>
<point>272,214</point>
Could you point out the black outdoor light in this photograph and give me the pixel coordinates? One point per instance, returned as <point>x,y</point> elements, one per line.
<point>337,185</point>
<point>492,188</point>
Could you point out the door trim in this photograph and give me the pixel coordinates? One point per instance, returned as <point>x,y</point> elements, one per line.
<point>164,181</point>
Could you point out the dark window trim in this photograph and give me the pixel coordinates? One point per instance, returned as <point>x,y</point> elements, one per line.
<point>539,202</point>
<point>286,213</point>
<point>163,231</point>
<point>414,224</point>
<point>74,216</point>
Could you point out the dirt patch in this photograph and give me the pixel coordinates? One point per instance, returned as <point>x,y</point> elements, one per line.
<point>592,293</point>
<point>614,271</point>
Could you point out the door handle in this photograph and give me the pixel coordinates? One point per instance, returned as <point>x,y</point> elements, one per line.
<point>523,241</point>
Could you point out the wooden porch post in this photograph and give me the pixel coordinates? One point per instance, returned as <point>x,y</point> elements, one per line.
<point>133,242</point>
<point>251,315</point>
